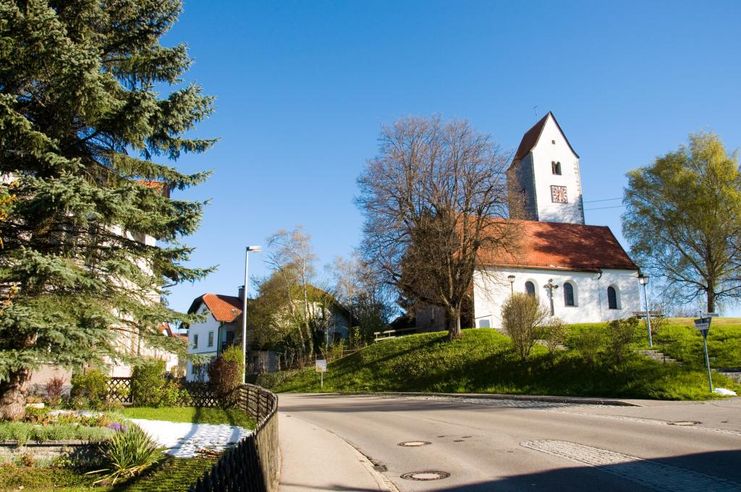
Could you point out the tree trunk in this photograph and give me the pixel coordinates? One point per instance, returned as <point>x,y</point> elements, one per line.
<point>711,299</point>
<point>454,324</point>
<point>13,395</point>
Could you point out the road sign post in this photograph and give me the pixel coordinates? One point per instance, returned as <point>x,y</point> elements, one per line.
<point>703,325</point>
<point>321,367</point>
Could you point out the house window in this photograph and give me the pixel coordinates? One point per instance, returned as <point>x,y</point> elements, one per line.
<point>484,323</point>
<point>530,288</point>
<point>210,339</point>
<point>556,167</point>
<point>568,294</point>
<point>195,341</point>
<point>558,194</point>
<point>612,298</point>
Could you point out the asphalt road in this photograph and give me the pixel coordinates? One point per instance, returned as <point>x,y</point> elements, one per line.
<point>522,445</point>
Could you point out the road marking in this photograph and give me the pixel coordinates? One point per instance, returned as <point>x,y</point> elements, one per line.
<point>657,476</point>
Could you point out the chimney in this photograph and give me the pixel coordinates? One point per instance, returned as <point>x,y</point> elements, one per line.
<point>241,292</point>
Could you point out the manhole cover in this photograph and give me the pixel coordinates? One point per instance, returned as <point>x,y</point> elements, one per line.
<point>685,423</point>
<point>426,475</point>
<point>413,444</point>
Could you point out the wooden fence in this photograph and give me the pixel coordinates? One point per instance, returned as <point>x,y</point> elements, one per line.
<point>254,463</point>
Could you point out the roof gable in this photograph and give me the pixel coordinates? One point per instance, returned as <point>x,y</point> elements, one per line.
<point>561,246</point>
<point>223,308</point>
<point>531,138</point>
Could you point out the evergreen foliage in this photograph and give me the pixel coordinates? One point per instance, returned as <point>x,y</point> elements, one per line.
<point>84,133</point>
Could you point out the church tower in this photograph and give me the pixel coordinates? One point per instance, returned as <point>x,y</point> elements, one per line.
<point>544,178</point>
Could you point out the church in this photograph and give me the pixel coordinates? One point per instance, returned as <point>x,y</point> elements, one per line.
<point>578,272</point>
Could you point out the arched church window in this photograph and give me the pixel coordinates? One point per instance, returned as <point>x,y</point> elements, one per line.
<point>568,294</point>
<point>530,288</point>
<point>556,167</point>
<point>612,298</point>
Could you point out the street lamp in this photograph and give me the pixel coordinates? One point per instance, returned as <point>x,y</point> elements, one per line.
<point>643,279</point>
<point>247,251</point>
<point>511,279</point>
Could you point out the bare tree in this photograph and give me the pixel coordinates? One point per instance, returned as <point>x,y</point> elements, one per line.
<point>430,198</point>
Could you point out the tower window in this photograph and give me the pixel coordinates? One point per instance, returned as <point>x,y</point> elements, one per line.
<point>556,167</point>
<point>558,194</point>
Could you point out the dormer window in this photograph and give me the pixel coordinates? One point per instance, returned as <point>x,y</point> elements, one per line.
<point>556,167</point>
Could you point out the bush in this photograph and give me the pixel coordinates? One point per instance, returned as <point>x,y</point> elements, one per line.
<point>522,317</point>
<point>554,334</point>
<point>151,388</point>
<point>620,334</point>
<point>54,389</point>
<point>127,454</point>
<point>225,374</point>
<point>588,344</point>
<point>89,389</point>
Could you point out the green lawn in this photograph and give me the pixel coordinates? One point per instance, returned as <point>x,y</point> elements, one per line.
<point>483,361</point>
<point>195,415</point>
<point>680,340</point>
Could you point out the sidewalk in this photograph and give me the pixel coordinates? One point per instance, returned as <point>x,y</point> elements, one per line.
<point>315,459</point>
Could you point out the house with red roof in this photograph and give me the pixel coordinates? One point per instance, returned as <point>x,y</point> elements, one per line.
<point>580,273</point>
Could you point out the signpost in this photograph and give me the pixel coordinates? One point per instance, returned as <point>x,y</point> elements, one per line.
<point>703,324</point>
<point>321,367</point>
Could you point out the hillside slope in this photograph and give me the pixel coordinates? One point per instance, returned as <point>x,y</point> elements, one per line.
<point>483,361</point>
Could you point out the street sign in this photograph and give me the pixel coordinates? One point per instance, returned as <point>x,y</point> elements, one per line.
<point>321,365</point>
<point>703,324</point>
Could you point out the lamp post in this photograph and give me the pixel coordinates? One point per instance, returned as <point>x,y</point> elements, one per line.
<point>511,279</point>
<point>643,279</point>
<point>247,251</point>
<point>550,286</point>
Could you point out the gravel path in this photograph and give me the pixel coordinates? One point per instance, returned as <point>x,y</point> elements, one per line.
<point>184,440</point>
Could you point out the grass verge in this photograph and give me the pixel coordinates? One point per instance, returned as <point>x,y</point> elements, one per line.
<point>194,415</point>
<point>483,361</point>
<point>24,432</point>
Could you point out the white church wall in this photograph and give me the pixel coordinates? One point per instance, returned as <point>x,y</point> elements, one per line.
<point>544,153</point>
<point>492,288</point>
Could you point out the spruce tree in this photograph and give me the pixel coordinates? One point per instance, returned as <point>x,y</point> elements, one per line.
<point>85,139</point>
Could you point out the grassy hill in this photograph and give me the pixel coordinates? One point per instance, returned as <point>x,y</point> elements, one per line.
<point>483,361</point>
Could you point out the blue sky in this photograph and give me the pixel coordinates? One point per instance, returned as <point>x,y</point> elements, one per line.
<point>302,89</point>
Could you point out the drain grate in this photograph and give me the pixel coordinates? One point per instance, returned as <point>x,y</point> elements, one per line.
<point>685,423</point>
<point>413,444</point>
<point>426,475</point>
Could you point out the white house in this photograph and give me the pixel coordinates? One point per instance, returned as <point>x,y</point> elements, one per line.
<point>579,273</point>
<point>221,322</point>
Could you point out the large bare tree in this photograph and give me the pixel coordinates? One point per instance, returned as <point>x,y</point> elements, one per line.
<point>432,197</point>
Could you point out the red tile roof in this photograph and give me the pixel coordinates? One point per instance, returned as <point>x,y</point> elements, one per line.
<point>223,308</point>
<point>531,137</point>
<point>557,246</point>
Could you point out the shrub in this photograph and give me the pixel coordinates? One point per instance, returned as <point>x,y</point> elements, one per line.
<point>554,334</point>
<point>127,454</point>
<point>620,334</point>
<point>54,389</point>
<point>588,344</point>
<point>225,374</point>
<point>151,388</point>
<point>522,317</point>
<point>89,389</point>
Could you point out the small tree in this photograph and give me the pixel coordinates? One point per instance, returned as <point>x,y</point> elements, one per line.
<point>554,334</point>
<point>620,334</point>
<point>225,374</point>
<point>522,319</point>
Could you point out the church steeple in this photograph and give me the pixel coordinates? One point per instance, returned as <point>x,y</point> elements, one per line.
<point>544,178</point>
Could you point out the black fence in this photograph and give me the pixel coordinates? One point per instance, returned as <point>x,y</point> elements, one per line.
<point>254,463</point>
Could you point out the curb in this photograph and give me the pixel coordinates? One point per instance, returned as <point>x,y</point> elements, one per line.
<point>542,398</point>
